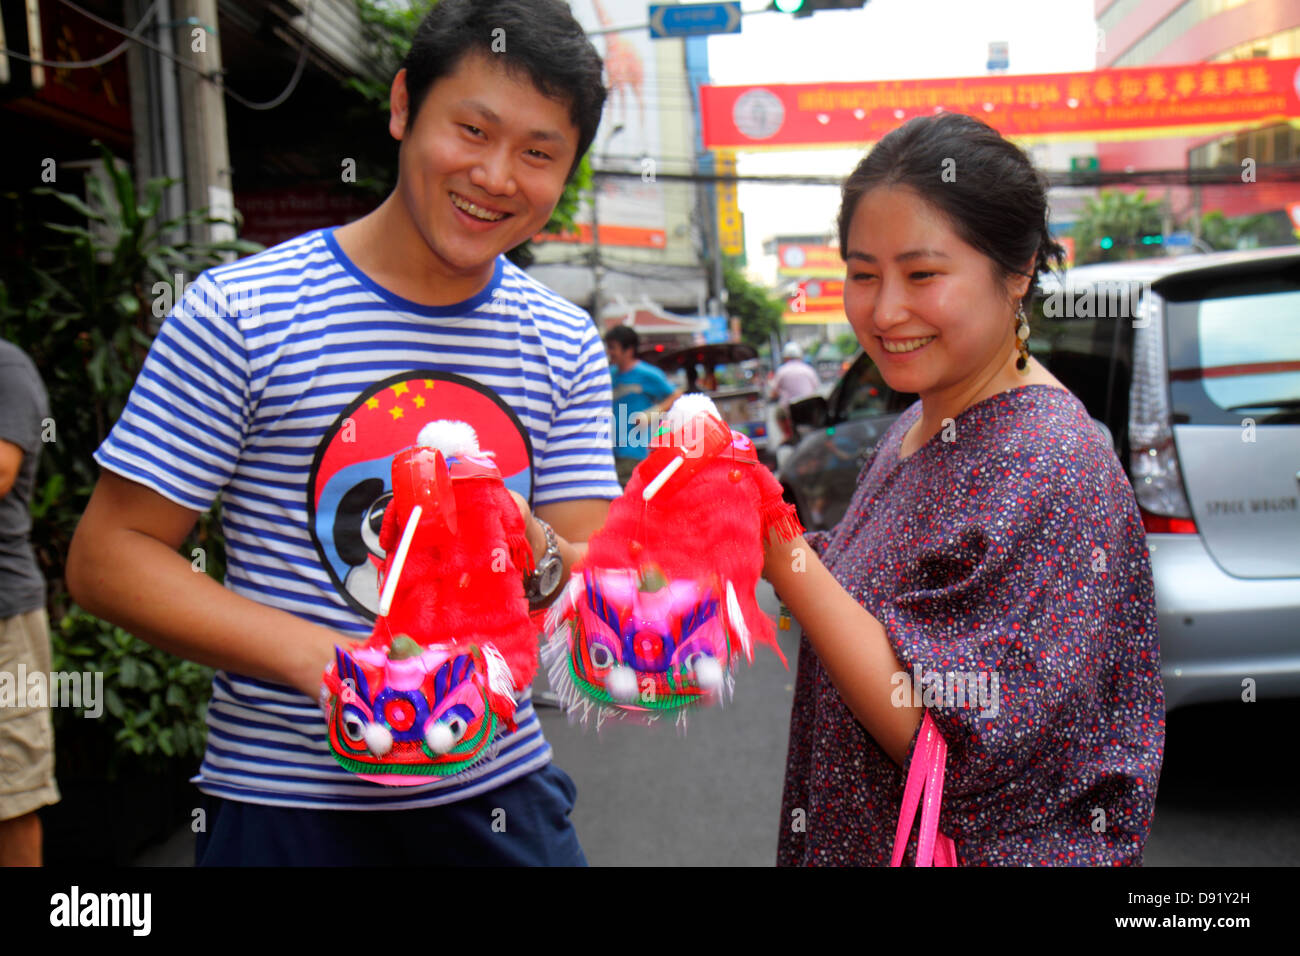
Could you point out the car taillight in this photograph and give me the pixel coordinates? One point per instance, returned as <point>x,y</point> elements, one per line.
<point>1159,524</point>
<point>1153,459</point>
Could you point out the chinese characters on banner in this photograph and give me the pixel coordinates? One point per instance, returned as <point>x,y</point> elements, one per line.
<point>1101,105</point>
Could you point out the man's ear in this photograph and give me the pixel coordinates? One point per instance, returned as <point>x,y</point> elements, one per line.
<point>399,104</point>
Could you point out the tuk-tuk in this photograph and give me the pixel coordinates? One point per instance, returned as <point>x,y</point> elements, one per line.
<point>743,407</point>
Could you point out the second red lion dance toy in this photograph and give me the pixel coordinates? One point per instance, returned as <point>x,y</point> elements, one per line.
<point>657,613</point>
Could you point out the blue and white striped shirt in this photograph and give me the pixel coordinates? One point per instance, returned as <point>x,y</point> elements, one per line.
<point>283,384</point>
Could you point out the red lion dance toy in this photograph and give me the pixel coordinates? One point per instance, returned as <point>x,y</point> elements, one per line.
<point>431,691</point>
<point>642,630</point>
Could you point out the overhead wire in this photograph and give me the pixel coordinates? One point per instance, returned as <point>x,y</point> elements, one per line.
<point>213,78</point>
<point>87,64</point>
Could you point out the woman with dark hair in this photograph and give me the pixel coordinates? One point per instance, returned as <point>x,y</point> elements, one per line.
<point>992,569</point>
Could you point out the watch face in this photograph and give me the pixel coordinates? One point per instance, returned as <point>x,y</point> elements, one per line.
<point>548,576</point>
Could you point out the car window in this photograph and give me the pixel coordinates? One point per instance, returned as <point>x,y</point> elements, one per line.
<point>1083,335</point>
<point>1235,353</point>
<point>864,394</point>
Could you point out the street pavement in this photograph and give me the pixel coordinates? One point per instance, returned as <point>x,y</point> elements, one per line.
<point>712,797</point>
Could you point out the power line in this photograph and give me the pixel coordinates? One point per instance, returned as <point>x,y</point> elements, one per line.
<point>1210,176</point>
<point>87,64</point>
<point>213,77</point>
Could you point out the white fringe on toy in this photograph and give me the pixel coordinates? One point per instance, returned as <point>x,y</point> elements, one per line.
<point>688,406</point>
<point>451,438</point>
<point>498,671</point>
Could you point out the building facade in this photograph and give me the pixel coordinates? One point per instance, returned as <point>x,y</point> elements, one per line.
<point>1150,32</point>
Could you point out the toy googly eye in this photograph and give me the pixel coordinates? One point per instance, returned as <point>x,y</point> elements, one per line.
<point>602,656</point>
<point>690,663</point>
<point>354,727</point>
<point>457,726</point>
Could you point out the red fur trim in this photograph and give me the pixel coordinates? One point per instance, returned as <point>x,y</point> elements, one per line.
<point>521,553</point>
<point>504,706</point>
<point>781,517</point>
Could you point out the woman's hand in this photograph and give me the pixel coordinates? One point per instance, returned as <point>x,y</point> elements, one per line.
<point>850,643</point>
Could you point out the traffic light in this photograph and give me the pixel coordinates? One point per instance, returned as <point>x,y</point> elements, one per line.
<point>806,8</point>
<point>1146,239</point>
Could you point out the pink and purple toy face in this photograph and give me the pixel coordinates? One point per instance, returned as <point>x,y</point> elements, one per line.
<point>637,642</point>
<point>406,721</point>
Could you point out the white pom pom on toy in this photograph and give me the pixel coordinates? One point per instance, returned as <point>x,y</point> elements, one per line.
<point>708,674</point>
<point>439,738</point>
<point>688,406</point>
<point>379,739</point>
<point>621,683</point>
<point>450,437</point>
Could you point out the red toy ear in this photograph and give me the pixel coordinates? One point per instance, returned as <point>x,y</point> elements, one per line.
<point>421,477</point>
<point>444,497</point>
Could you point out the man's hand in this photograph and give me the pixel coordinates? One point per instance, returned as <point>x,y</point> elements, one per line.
<point>536,536</point>
<point>124,567</point>
<point>573,522</point>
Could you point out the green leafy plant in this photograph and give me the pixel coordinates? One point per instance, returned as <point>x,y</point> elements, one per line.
<point>154,704</point>
<point>1246,232</point>
<point>78,287</point>
<point>78,297</point>
<point>847,343</point>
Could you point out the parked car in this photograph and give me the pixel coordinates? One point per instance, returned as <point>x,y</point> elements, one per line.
<point>1192,365</point>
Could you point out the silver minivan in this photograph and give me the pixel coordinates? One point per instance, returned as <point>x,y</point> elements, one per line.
<point>1192,365</point>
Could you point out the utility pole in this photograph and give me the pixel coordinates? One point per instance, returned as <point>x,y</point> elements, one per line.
<point>597,266</point>
<point>203,117</point>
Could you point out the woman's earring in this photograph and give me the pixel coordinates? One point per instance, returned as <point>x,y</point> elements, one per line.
<point>1022,340</point>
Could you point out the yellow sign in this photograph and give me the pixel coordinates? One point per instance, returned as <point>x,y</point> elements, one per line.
<point>731,226</point>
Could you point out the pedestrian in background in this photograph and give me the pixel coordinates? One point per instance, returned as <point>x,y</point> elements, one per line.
<point>26,732</point>
<point>795,379</point>
<point>993,541</point>
<point>641,393</point>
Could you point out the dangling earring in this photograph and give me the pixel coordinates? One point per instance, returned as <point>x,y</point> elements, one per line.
<point>1022,341</point>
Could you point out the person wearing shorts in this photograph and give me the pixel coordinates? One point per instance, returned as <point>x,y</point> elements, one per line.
<point>26,731</point>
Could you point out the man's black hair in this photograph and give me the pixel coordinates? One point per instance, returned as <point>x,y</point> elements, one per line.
<point>623,335</point>
<point>539,38</point>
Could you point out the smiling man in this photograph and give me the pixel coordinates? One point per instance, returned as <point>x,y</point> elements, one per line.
<point>285,383</point>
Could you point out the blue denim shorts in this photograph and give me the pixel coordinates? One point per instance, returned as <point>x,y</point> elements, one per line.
<point>522,823</point>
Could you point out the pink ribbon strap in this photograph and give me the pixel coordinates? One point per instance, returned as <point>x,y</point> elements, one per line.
<point>924,786</point>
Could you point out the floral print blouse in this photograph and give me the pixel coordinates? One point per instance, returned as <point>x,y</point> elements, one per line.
<point>1007,562</point>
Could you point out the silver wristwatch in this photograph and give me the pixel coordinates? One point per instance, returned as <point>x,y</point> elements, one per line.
<point>543,584</point>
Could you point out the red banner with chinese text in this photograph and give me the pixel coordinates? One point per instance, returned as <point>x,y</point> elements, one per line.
<point>1102,105</point>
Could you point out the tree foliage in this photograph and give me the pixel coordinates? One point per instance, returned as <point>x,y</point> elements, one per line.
<point>757,308</point>
<point>81,289</point>
<point>1245,232</point>
<point>1123,218</point>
